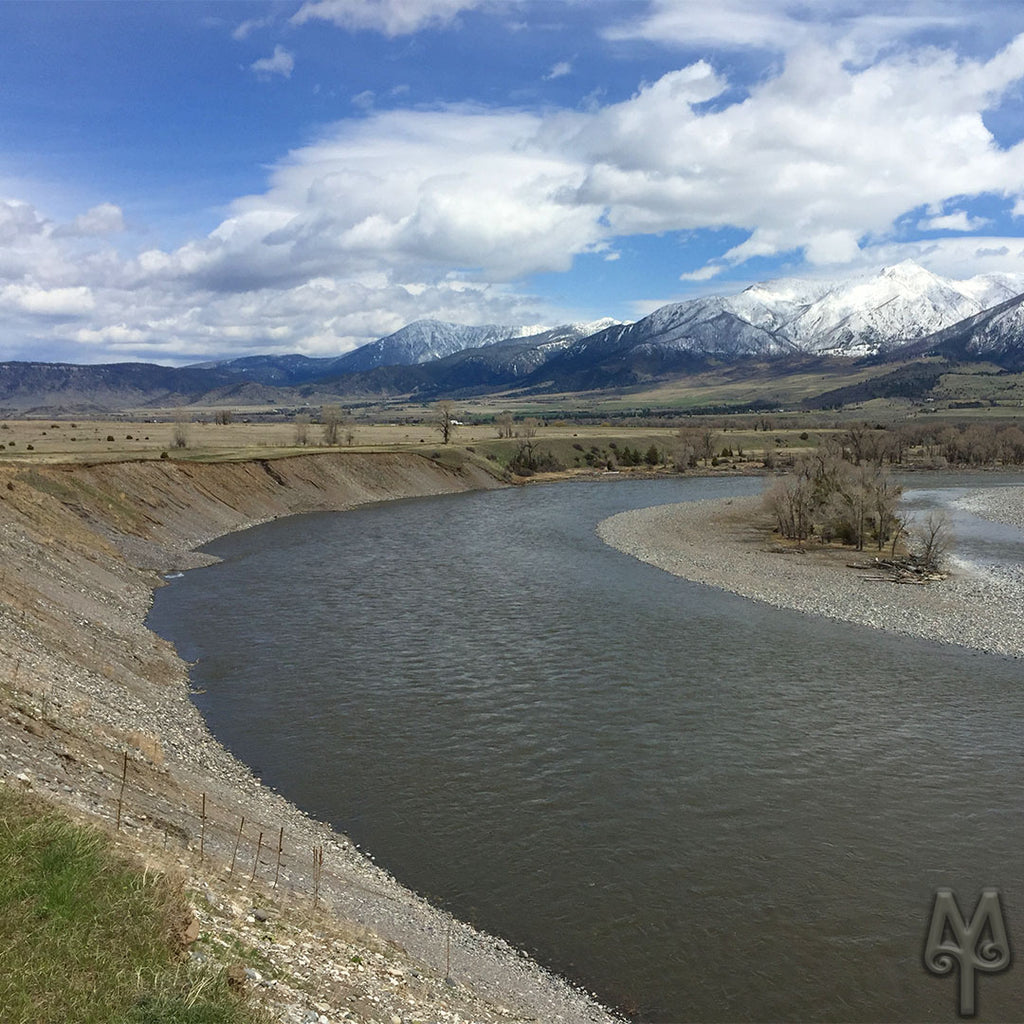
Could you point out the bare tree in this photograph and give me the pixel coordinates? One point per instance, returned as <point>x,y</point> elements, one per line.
<point>885,499</point>
<point>302,429</point>
<point>504,421</point>
<point>698,440</point>
<point>933,538</point>
<point>179,435</point>
<point>684,455</point>
<point>331,418</point>
<point>445,421</point>
<point>528,428</point>
<point>791,501</point>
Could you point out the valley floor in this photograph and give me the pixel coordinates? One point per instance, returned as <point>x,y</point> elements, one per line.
<point>726,544</point>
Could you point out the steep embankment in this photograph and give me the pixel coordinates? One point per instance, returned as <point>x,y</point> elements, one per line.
<point>95,714</point>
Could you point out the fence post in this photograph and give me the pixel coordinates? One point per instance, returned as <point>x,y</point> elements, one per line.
<point>238,839</point>
<point>120,796</point>
<point>280,848</point>
<point>256,860</point>
<point>202,831</point>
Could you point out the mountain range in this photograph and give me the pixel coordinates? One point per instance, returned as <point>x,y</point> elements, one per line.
<point>900,312</point>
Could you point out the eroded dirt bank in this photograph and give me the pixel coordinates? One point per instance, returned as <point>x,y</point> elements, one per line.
<point>95,715</point>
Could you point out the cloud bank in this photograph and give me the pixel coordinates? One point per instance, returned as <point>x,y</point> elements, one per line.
<point>445,211</point>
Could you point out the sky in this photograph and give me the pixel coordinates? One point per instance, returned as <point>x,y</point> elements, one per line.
<point>188,181</point>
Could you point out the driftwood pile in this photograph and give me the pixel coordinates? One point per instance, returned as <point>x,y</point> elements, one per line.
<point>910,569</point>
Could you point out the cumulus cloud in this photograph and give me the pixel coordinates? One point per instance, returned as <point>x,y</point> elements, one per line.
<point>280,62</point>
<point>441,212</point>
<point>816,158</point>
<point>559,70</point>
<point>60,302</point>
<point>392,17</point>
<point>959,220</point>
<point>100,220</point>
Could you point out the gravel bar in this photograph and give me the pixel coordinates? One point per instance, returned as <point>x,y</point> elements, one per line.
<point>728,544</point>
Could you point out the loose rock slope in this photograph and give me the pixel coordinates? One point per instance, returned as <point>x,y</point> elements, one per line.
<point>95,715</point>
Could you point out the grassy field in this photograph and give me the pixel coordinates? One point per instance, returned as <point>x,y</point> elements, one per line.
<point>35,441</point>
<point>89,938</point>
<point>573,443</point>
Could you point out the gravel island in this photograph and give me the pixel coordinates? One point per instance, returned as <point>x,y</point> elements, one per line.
<point>729,544</point>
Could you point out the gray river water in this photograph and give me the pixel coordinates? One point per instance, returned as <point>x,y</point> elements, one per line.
<point>696,806</point>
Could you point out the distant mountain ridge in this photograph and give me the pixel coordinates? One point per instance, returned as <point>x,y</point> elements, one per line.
<point>853,317</point>
<point>900,312</point>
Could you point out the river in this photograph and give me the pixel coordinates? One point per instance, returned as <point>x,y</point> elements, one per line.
<point>698,807</point>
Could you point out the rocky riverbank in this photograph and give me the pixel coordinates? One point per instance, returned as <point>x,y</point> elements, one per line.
<point>729,544</point>
<point>95,715</point>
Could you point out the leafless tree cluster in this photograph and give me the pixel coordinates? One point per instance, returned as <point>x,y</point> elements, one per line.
<point>828,497</point>
<point>505,425</point>
<point>331,419</point>
<point>975,444</point>
<point>694,444</point>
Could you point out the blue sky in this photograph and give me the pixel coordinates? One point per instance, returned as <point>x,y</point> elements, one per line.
<point>186,181</point>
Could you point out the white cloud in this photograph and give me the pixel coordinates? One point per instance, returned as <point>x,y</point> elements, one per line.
<point>19,221</point>
<point>705,273</point>
<point>815,158</point>
<point>959,220</point>
<point>559,70</point>
<point>100,220</point>
<point>957,257</point>
<point>728,22</point>
<point>281,62</point>
<point>60,302</point>
<point>246,28</point>
<point>401,214</point>
<point>392,17</point>
<point>784,25</point>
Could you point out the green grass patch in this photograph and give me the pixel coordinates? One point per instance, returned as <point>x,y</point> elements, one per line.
<point>87,937</point>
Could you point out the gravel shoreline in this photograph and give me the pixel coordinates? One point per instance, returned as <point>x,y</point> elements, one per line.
<point>726,544</point>
<point>95,716</point>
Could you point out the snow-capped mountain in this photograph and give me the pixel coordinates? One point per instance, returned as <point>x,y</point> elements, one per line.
<point>425,340</point>
<point>995,334</point>
<point>902,311</point>
<point>854,317</point>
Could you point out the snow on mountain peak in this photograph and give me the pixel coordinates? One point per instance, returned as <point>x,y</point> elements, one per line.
<point>854,316</point>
